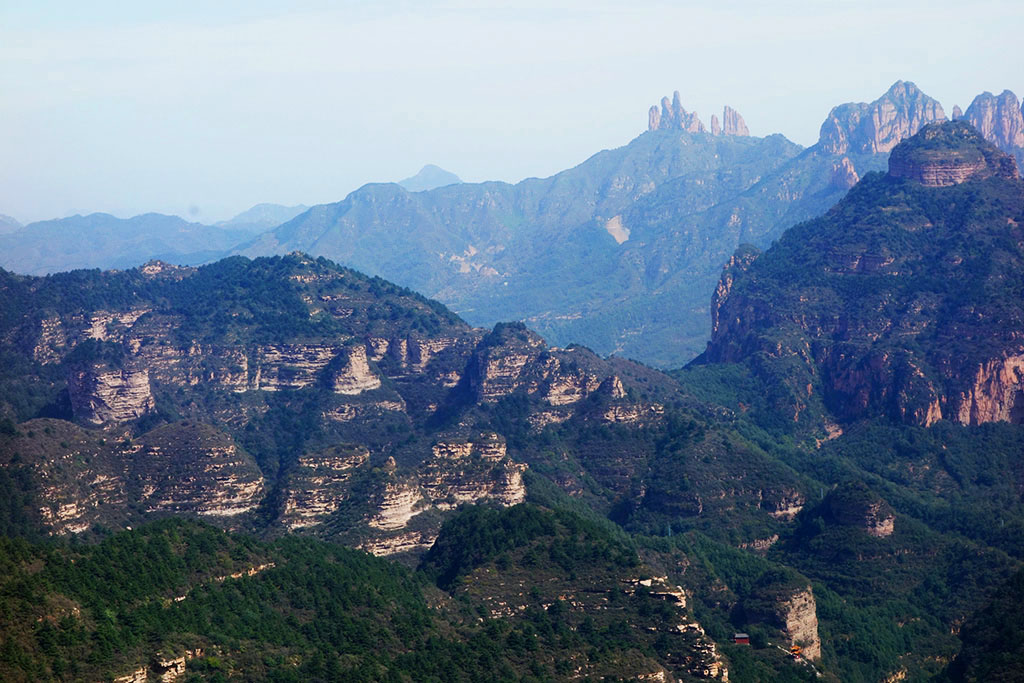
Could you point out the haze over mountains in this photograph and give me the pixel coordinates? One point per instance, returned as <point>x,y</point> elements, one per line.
<point>430,177</point>
<point>840,474</point>
<point>620,253</point>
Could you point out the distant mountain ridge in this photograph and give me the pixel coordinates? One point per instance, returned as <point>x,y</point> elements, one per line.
<point>430,177</point>
<point>100,240</point>
<point>621,252</point>
<point>263,217</point>
<point>8,224</point>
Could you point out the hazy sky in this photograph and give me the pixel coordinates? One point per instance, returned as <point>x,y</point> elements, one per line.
<point>129,107</point>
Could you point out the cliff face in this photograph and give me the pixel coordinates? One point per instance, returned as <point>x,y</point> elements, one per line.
<point>799,616</point>
<point>294,395</point>
<point>879,126</point>
<point>100,395</point>
<point>901,258</point>
<point>317,485</point>
<point>999,119</point>
<point>949,155</point>
<point>179,468</point>
<point>733,123</point>
<point>515,359</point>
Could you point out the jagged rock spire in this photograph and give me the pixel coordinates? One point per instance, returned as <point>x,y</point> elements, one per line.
<point>671,115</point>
<point>733,123</point>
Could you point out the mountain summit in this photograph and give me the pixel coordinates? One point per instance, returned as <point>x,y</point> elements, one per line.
<point>949,154</point>
<point>672,116</point>
<point>877,127</point>
<point>430,177</point>
<point>999,119</point>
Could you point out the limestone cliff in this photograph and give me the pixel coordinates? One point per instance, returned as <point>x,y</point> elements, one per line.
<point>100,394</point>
<point>799,616</point>
<point>999,119</point>
<point>948,155</point>
<point>182,468</point>
<point>738,263</point>
<point>879,126</point>
<point>195,469</point>
<point>844,175</point>
<point>317,484</point>
<point>355,376</point>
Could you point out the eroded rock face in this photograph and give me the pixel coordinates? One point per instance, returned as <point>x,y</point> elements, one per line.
<point>106,325</point>
<point>672,116</point>
<point>52,338</point>
<point>733,123</point>
<point>996,394</point>
<point>355,375</point>
<point>318,484</point>
<point>949,155</point>
<point>879,126</point>
<point>999,119</point>
<point>844,175</point>
<point>784,505</point>
<point>400,503</point>
<point>738,263</point>
<point>799,616</point>
<point>292,366</point>
<point>792,311</point>
<point>408,542</point>
<point>853,504</point>
<point>467,471</point>
<point>872,517</point>
<point>140,675</point>
<point>193,468</point>
<point>101,395</point>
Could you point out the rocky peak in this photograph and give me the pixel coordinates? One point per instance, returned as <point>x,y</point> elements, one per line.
<point>733,123</point>
<point>998,119</point>
<point>877,127</point>
<point>958,113</point>
<point>948,154</point>
<point>672,116</point>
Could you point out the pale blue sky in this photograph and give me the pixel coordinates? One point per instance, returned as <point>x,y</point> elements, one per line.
<point>131,107</point>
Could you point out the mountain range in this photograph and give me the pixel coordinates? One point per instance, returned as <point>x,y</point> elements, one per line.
<point>839,472</point>
<point>621,253</point>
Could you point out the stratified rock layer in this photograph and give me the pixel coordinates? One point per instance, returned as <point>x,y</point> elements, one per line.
<point>949,155</point>
<point>100,395</point>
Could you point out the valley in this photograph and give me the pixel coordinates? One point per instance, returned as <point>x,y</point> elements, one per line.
<point>275,467</point>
